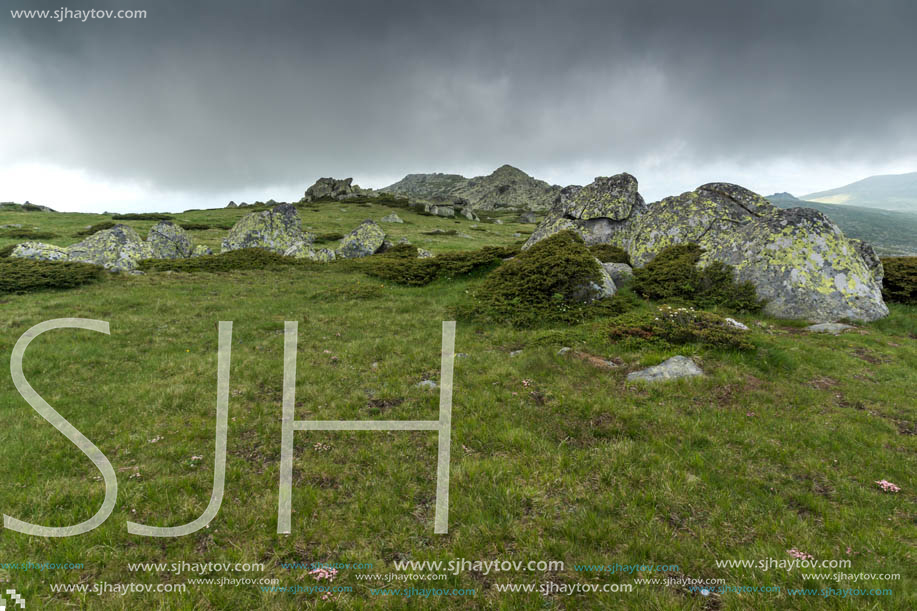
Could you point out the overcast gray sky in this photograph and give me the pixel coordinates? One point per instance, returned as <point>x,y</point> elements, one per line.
<point>196,105</point>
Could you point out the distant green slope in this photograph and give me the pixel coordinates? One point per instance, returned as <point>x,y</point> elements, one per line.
<point>888,192</point>
<point>889,231</point>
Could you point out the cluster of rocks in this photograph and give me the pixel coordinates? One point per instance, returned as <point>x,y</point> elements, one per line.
<point>277,229</point>
<point>797,259</point>
<point>119,248</point>
<point>336,189</point>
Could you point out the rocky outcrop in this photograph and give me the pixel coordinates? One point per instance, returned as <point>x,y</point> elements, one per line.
<point>506,188</point>
<point>276,229</point>
<point>363,241</point>
<point>391,218</point>
<point>797,259</point>
<point>600,212</point>
<point>528,218</point>
<point>232,205</point>
<point>168,240</point>
<point>333,188</point>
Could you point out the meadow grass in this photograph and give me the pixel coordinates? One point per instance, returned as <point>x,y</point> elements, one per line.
<point>553,458</point>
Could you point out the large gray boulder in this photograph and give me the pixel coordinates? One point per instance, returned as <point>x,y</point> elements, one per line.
<point>603,289</point>
<point>797,259</point>
<point>118,249</point>
<point>600,212</point>
<point>276,229</point>
<point>168,240</point>
<point>363,241</point>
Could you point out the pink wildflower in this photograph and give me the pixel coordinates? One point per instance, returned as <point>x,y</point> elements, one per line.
<point>887,486</point>
<point>795,553</point>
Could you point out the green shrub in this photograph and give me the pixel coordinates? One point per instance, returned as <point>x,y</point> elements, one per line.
<point>401,265</point>
<point>542,284</point>
<point>668,326</point>
<point>900,282</point>
<point>142,216</point>
<point>94,229</point>
<point>27,234</point>
<point>606,253</point>
<point>6,251</point>
<point>246,258</point>
<point>195,226</point>
<point>28,275</point>
<point>440,232</point>
<point>674,275</point>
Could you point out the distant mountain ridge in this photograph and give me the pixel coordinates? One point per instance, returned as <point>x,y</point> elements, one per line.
<point>506,188</point>
<point>889,192</point>
<point>890,232</point>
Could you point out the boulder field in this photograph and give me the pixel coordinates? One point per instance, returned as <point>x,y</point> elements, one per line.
<point>797,259</point>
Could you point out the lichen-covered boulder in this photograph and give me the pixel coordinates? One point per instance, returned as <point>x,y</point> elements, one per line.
<point>304,250</point>
<point>168,240</point>
<point>200,250</point>
<point>600,212</point>
<point>797,259</point>
<point>276,229</point>
<point>118,249</point>
<point>528,218</point>
<point>363,241</point>
<point>40,251</point>
<point>232,204</point>
<point>391,218</point>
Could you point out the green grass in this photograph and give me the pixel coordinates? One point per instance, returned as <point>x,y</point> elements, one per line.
<point>775,448</point>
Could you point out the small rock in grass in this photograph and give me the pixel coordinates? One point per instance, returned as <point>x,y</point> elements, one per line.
<point>673,368</point>
<point>834,328</point>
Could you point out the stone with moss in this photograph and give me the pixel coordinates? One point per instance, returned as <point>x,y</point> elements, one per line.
<point>117,249</point>
<point>40,251</point>
<point>363,241</point>
<point>797,259</point>
<point>168,240</point>
<point>276,230</point>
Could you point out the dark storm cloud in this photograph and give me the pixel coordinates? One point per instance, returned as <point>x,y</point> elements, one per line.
<point>223,95</point>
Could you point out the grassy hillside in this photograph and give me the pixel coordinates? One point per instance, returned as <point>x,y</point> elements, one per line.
<point>555,457</point>
<point>888,192</point>
<point>890,232</point>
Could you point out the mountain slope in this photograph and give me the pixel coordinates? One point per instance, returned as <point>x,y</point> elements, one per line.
<point>890,232</point>
<point>889,192</point>
<point>506,188</point>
